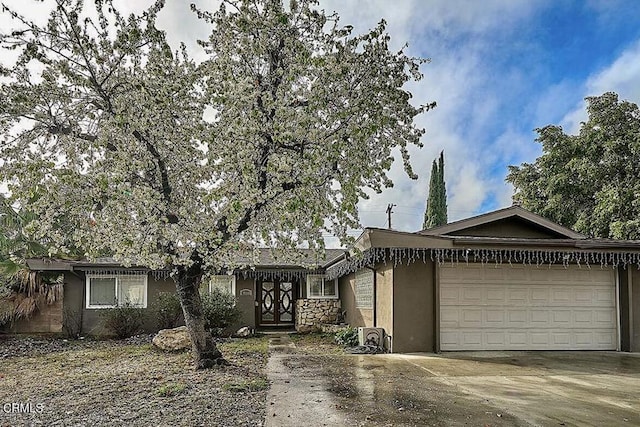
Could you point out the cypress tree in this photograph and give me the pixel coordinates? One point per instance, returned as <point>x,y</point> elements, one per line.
<point>436,211</point>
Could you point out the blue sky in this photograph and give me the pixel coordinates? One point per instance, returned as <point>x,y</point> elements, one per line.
<point>499,69</point>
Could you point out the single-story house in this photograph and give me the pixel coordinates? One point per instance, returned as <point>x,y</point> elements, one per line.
<point>505,280</point>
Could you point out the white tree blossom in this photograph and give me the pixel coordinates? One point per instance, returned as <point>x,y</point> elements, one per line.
<point>123,147</point>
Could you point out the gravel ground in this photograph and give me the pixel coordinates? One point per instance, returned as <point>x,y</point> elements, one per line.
<point>128,382</point>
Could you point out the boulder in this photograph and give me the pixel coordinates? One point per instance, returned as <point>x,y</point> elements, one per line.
<point>176,339</point>
<point>243,332</point>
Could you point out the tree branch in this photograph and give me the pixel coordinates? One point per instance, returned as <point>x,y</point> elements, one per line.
<point>164,172</point>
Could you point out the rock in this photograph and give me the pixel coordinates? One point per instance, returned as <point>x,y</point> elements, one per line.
<point>244,332</point>
<point>176,339</point>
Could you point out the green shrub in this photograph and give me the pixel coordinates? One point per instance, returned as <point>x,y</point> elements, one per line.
<point>347,337</point>
<point>72,322</point>
<point>220,311</point>
<point>123,321</point>
<point>166,310</point>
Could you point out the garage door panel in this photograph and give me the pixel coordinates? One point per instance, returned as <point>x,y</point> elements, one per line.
<point>494,339</point>
<point>540,338</point>
<point>583,318</point>
<point>538,318</point>
<point>605,338</point>
<point>472,338</point>
<point>561,339</point>
<point>539,296</point>
<point>494,318</point>
<point>517,297</point>
<point>561,295</point>
<point>471,295</point>
<point>492,274</point>
<point>449,294</point>
<point>604,296</point>
<point>562,318</point>
<point>584,295</point>
<point>516,318</point>
<point>517,340</point>
<point>450,318</point>
<point>495,296</point>
<point>449,339</point>
<point>471,318</point>
<point>527,308</point>
<point>603,318</point>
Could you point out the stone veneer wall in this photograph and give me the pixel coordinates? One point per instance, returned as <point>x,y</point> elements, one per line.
<point>311,313</point>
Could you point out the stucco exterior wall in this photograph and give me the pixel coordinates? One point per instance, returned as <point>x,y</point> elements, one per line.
<point>245,298</point>
<point>624,288</point>
<point>384,298</point>
<point>154,288</point>
<point>74,299</point>
<point>413,308</point>
<point>635,310</point>
<point>75,303</point>
<point>355,317</point>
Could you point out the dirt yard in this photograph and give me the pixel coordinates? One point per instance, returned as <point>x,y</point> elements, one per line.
<point>90,383</point>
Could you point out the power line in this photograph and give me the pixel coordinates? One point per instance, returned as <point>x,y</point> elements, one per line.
<point>389,212</point>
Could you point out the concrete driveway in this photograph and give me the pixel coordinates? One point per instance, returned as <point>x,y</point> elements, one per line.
<point>476,389</point>
<point>545,388</point>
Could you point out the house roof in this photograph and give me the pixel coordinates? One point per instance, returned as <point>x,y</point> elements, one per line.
<point>517,213</point>
<point>266,258</point>
<point>544,235</point>
<point>504,229</point>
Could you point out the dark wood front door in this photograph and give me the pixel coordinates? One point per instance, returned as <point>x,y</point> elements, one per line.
<point>276,302</point>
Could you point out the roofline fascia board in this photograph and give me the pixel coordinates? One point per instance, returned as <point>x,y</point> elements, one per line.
<point>380,238</point>
<point>49,264</point>
<point>336,260</point>
<point>542,243</point>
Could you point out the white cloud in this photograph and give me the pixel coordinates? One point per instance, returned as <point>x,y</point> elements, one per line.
<point>622,77</point>
<point>461,79</point>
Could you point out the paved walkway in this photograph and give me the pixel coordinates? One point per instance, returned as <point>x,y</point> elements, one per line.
<point>297,398</point>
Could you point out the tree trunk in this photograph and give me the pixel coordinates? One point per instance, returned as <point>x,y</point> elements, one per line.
<point>205,352</point>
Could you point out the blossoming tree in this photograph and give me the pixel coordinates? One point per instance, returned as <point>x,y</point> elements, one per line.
<point>123,147</point>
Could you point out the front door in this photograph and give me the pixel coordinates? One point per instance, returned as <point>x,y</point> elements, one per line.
<point>276,303</point>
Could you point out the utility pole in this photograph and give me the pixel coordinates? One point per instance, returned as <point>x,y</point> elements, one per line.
<point>389,212</point>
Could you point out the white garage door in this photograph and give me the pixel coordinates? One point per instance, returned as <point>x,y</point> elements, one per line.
<point>527,308</point>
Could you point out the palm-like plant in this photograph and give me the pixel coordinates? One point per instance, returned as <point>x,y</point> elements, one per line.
<point>22,291</point>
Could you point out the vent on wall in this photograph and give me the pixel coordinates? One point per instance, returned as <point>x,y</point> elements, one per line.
<point>371,336</point>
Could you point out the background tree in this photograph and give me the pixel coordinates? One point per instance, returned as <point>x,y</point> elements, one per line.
<point>139,152</point>
<point>589,181</point>
<point>436,212</point>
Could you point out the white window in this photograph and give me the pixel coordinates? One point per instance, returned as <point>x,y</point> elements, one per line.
<point>107,291</point>
<point>225,283</point>
<point>364,288</point>
<point>319,287</point>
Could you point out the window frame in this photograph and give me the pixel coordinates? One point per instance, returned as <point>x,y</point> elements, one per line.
<point>233,282</point>
<point>322,287</point>
<point>116,290</point>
